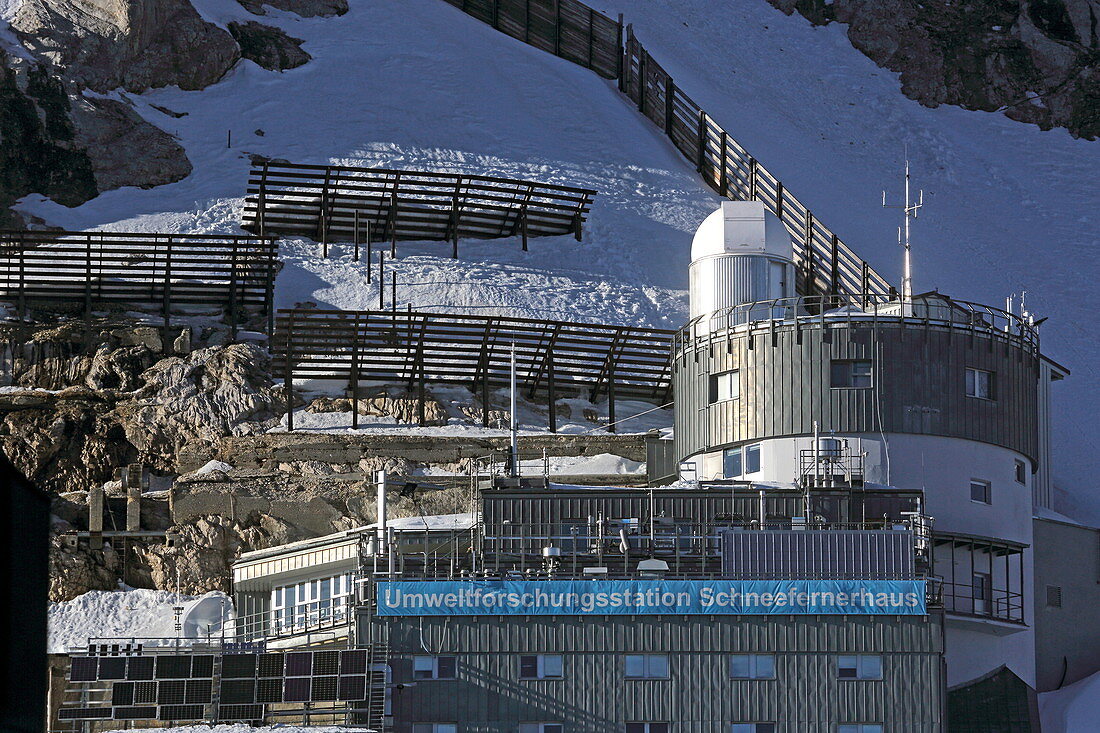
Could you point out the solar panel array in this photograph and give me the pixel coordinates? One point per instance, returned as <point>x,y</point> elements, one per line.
<point>183,686</point>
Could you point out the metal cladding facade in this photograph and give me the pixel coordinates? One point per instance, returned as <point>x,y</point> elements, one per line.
<point>918,371</point>
<point>594,696</point>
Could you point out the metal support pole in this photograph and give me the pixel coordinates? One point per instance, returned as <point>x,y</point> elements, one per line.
<point>381,280</point>
<point>393,290</point>
<point>611,427</point>
<point>551,392</point>
<point>355,371</point>
<point>288,377</point>
<point>355,235</point>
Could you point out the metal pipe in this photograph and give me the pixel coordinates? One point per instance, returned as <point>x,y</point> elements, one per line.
<point>381,546</point>
<point>514,444</point>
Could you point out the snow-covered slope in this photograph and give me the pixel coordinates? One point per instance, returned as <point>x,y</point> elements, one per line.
<point>1072,709</point>
<point>417,83</point>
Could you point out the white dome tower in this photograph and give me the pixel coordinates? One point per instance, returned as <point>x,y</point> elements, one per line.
<point>741,253</point>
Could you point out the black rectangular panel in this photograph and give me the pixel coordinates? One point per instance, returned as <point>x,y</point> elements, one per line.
<point>171,692</point>
<point>271,665</point>
<point>198,691</point>
<point>324,688</point>
<point>325,663</point>
<point>235,666</point>
<point>299,664</point>
<point>173,668</point>
<point>140,668</point>
<point>83,669</point>
<point>237,692</point>
<point>122,693</point>
<point>353,688</point>
<point>136,713</point>
<point>353,661</point>
<point>145,693</point>
<point>83,713</point>
<point>269,690</point>
<point>112,668</point>
<point>296,689</point>
<point>241,712</point>
<point>182,712</point>
<point>202,666</point>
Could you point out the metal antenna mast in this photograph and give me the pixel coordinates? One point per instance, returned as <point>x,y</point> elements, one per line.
<point>910,208</point>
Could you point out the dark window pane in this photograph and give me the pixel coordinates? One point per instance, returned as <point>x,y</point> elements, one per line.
<point>658,728</point>
<point>635,728</point>
<point>529,666</point>
<point>446,667</point>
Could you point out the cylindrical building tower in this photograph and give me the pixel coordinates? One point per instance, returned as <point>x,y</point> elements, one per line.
<point>945,399</point>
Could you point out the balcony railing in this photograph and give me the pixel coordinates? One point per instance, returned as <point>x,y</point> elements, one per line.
<point>998,604</point>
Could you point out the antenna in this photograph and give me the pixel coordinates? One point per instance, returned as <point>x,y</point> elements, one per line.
<point>910,208</point>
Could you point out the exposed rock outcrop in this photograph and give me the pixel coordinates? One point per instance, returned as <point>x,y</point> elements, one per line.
<point>403,407</point>
<point>134,44</point>
<point>1036,60</point>
<point>269,47</point>
<point>304,8</point>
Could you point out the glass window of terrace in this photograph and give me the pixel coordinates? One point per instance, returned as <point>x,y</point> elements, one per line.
<point>850,374</point>
<point>737,462</point>
<point>724,386</point>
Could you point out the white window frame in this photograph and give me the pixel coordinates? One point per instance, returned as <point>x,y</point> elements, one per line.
<point>647,667</point>
<point>314,601</point>
<point>755,665</point>
<point>975,387</point>
<point>853,377</point>
<point>862,666</point>
<point>542,663</point>
<point>432,666</point>
<point>724,386</point>
<point>987,491</point>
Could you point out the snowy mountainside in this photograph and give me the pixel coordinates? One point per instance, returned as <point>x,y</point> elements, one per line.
<point>420,84</point>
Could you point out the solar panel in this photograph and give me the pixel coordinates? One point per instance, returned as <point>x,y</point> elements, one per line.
<point>299,664</point>
<point>198,691</point>
<point>182,712</point>
<point>235,692</point>
<point>325,663</point>
<point>83,669</point>
<point>241,712</point>
<point>353,688</point>
<point>112,668</point>
<point>135,713</point>
<point>239,665</point>
<point>202,666</point>
<point>171,692</point>
<point>169,668</point>
<point>296,689</point>
<point>122,693</point>
<point>353,661</point>
<point>140,668</point>
<point>324,688</point>
<point>269,690</point>
<point>83,713</point>
<point>271,665</point>
<point>145,693</point>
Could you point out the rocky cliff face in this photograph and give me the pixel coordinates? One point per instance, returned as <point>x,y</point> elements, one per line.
<point>1037,61</point>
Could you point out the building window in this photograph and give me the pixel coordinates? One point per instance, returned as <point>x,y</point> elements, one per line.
<point>850,374</point>
<point>724,386</point>
<point>1021,472</point>
<point>981,384</point>
<point>859,728</point>
<point>647,667</point>
<point>540,667</point>
<point>752,728</point>
<point>541,728</point>
<point>859,667</point>
<point>752,666</point>
<point>434,668</point>
<point>435,728</point>
<point>311,603</point>
<point>981,491</point>
<point>737,462</point>
<point>647,728</point>
<point>1054,596</point>
<point>983,592</point>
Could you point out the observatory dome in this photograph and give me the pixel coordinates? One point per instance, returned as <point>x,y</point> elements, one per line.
<point>741,227</point>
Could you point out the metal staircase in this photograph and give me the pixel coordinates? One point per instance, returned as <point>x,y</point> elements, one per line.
<point>213,710</point>
<point>377,716</point>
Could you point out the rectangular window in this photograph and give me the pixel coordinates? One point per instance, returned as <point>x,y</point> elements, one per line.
<point>541,728</point>
<point>981,491</point>
<point>850,374</point>
<point>859,728</point>
<point>724,386</point>
<point>647,666</point>
<point>647,728</point>
<point>752,728</point>
<point>752,666</point>
<point>859,667</point>
<point>1021,472</point>
<point>752,458</point>
<point>981,384</point>
<point>434,668</point>
<point>540,666</point>
<point>435,728</point>
<point>731,463</point>
<point>983,592</point>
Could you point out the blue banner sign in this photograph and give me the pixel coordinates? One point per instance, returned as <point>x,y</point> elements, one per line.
<point>648,597</point>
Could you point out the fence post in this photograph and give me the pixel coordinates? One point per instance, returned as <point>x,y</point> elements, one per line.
<point>670,92</point>
<point>167,296</point>
<point>496,14</point>
<point>591,18</point>
<point>355,234</point>
<point>370,254</point>
<point>701,154</point>
<point>355,371</point>
<point>233,290</point>
<point>288,376</point>
<point>620,73</point>
<point>752,179</point>
<point>779,199</point>
<point>611,394</point>
<point>834,266</point>
<point>642,84</point>
<point>527,22</point>
<point>393,290</point>
<point>577,226</point>
<point>551,390</point>
<point>323,223</point>
<point>261,209</point>
<point>723,176</point>
<point>22,278</point>
<point>88,280</point>
<point>557,27</point>
<point>864,276</point>
<point>381,280</point>
<point>456,211</point>
<point>523,226</point>
<point>269,278</point>
<point>810,265</point>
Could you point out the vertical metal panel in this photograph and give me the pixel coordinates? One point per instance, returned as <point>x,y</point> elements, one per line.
<point>809,554</point>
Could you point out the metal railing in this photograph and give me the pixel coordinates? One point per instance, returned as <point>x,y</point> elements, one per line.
<point>819,310</point>
<point>998,604</point>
